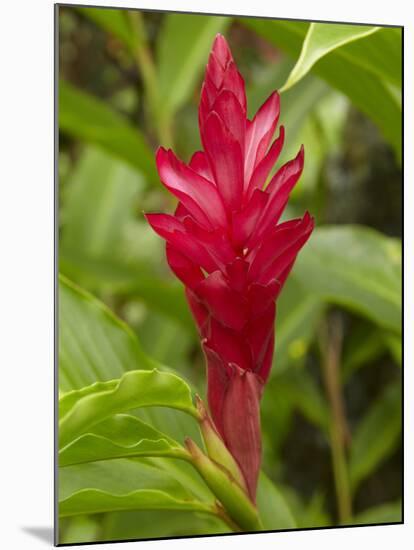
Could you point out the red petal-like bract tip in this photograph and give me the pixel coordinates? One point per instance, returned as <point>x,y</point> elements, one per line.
<point>221,50</point>
<point>225,244</point>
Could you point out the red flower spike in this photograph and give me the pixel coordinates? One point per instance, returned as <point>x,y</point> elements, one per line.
<point>225,244</point>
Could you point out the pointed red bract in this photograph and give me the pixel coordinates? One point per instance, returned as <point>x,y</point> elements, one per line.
<point>225,244</point>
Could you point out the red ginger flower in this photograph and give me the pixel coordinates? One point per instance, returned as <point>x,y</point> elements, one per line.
<point>225,244</point>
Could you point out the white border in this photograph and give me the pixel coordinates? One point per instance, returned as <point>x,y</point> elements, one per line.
<point>26,259</point>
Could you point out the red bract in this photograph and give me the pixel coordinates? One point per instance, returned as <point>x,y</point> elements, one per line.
<point>225,244</point>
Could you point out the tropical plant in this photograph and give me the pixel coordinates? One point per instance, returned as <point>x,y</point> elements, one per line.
<point>139,454</point>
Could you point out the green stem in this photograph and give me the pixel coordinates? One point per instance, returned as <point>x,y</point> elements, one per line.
<point>221,512</point>
<point>331,346</point>
<point>147,68</point>
<point>231,496</point>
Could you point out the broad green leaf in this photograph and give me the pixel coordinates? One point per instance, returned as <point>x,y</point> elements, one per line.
<point>89,119</point>
<point>169,341</point>
<point>273,508</point>
<point>118,476</point>
<point>377,435</point>
<point>297,315</point>
<point>372,95</point>
<point>160,523</point>
<point>94,501</point>
<point>380,54</point>
<point>135,389</point>
<point>94,345</point>
<point>92,447</point>
<point>183,48</point>
<point>104,247</point>
<point>99,202</point>
<point>320,40</point>
<point>113,21</point>
<point>389,512</point>
<point>132,280</point>
<point>68,399</point>
<point>79,528</point>
<point>119,436</point>
<point>355,267</point>
<point>121,484</point>
<point>345,71</point>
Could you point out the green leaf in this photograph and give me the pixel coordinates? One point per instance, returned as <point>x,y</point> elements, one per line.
<point>273,508</point>
<point>346,70</point>
<point>99,201</point>
<point>377,435</point>
<point>135,389</point>
<point>94,345</point>
<point>169,341</point>
<point>320,40</point>
<point>390,512</point>
<point>122,484</point>
<point>113,21</point>
<point>94,501</point>
<point>119,436</point>
<point>380,54</point>
<point>355,267</point>
<point>89,119</point>
<point>79,528</point>
<point>183,47</point>
<point>68,399</point>
<point>103,247</point>
<point>297,316</point>
<point>157,524</point>
<point>130,280</point>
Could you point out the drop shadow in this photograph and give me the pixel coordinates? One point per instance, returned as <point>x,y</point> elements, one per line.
<point>44,534</point>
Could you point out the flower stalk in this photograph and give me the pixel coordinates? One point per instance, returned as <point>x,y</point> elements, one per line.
<point>331,347</point>
<point>233,498</point>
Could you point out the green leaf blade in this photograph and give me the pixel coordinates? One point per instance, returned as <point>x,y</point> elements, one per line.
<point>377,435</point>
<point>122,484</point>
<point>273,508</point>
<point>355,267</point>
<point>120,436</point>
<point>182,53</point>
<point>94,345</point>
<point>134,390</point>
<point>320,40</point>
<point>361,78</point>
<point>89,119</point>
<point>94,501</point>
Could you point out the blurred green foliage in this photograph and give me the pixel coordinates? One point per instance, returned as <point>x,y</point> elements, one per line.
<point>331,415</point>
